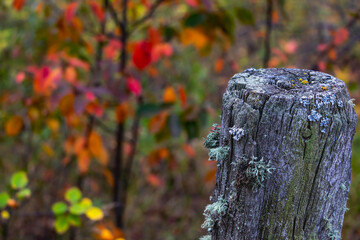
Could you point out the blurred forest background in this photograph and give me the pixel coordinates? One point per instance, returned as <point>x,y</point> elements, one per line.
<point>105,104</point>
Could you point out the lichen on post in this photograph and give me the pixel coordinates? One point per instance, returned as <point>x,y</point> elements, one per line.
<point>286,174</point>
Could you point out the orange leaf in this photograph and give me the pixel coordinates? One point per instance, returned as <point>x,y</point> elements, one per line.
<point>193,36</point>
<point>158,155</point>
<point>157,122</point>
<point>275,17</point>
<point>121,113</point>
<point>154,36</point>
<point>183,97</point>
<point>219,65</point>
<point>109,177</point>
<point>70,74</point>
<point>169,95</point>
<point>18,4</point>
<point>332,54</point>
<point>79,145</point>
<point>70,11</point>
<point>98,10</point>
<point>83,160</point>
<point>14,125</point>
<point>66,104</point>
<point>97,149</point>
<point>210,176</point>
<point>53,124</point>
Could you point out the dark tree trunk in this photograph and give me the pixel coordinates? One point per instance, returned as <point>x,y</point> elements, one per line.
<point>284,167</point>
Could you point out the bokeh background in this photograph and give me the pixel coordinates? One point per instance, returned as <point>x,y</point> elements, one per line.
<point>108,102</point>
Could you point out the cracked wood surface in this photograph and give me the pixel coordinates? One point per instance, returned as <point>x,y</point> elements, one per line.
<point>305,196</point>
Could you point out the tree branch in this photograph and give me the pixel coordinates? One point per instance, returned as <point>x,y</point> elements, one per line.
<point>148,15</point>
<point>267,40</point>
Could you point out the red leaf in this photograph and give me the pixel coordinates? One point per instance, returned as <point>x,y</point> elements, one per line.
<point>70,11</point>
<point>133,86</point>
<point>142,54</point>
<point>20,77</point>
<point>98,10</point>
<point>160,50</point>
<point>183,96</point>
<point>112,49</point>
<point>192,3</point>
<point>340,36</point>
<point>154,180</point>
<point>18,4</point>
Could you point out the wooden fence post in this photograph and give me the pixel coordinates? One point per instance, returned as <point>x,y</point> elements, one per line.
<point>283,156</point>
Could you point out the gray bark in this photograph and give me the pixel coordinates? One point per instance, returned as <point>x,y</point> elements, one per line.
<point>301,124</point>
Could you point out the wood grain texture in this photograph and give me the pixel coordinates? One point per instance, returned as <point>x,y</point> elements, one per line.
<point>301,124</point>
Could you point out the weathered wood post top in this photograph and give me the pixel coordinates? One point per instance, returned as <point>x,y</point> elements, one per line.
<point>284,156</point>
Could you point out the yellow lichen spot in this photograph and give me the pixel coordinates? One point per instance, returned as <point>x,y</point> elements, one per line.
<point>293,85</point>
<point>304,82</point>
<point>5,214</point>
<point>300,79</point>
<point>324,88</point>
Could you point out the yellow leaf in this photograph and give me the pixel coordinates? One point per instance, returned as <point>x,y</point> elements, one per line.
<point>193,36</point>
<point>53,124</point>
<point>33,113</point>
<point>169,95</point>
<point>343,74</point>
<point>48,150</point>
<point>94,213</point>
<point>13,125</point>
<point>5,214</point>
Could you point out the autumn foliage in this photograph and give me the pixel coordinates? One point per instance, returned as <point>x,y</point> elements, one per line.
<point>105,103</point>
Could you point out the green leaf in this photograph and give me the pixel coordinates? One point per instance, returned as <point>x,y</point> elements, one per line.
<point>150,109</point>
<point>81,207</point>
<point>195,19</point>
<point>244,16</point>
<point>24,193</point>
<point>73,195</point>
<point>61,224</point>
<point>59,208</point>
<point>4,197</point>
<point>19,180</point>
<point>74,220</point>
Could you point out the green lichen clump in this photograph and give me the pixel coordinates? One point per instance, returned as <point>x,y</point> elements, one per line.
<point>219,153</point>
<point>253,171</point>
<point>214,212</point>
<point>213,138</point>
<point>332,234</point>
<point>206,237</point>
<point>258,170</point>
